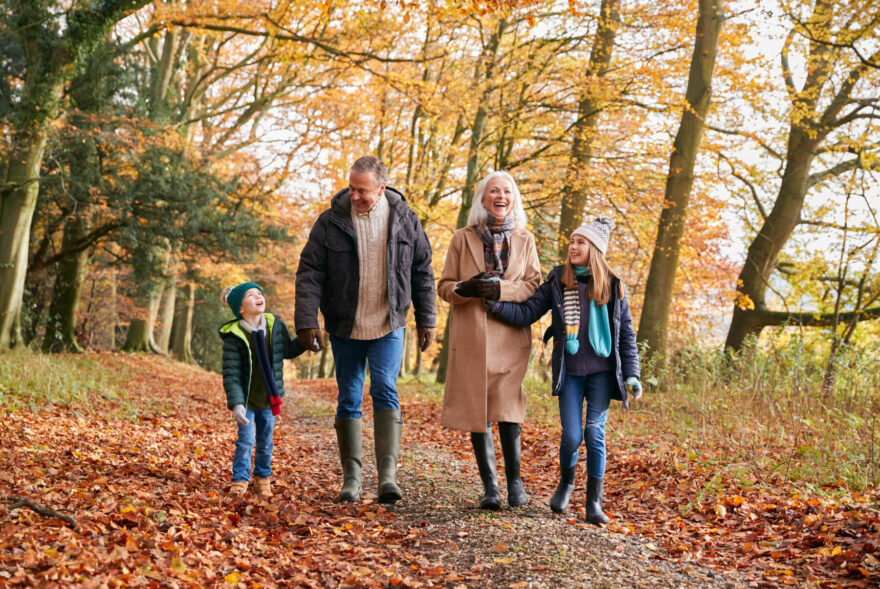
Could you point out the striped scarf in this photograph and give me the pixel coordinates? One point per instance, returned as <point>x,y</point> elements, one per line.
<point>495,234</point>
<point>571,315</point>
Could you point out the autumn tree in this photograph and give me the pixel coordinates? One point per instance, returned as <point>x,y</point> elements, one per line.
<point>832,118</point>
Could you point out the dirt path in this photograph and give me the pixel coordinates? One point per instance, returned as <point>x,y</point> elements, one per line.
<point>522,547</point>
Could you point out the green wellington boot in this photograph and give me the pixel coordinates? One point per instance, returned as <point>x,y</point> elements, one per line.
<point>348,435</point>
<point>386,431</point>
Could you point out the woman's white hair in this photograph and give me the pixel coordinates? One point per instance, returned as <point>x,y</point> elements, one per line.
<point>479,213</point>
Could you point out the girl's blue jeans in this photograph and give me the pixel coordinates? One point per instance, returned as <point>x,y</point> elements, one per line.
<point>259,431</point>
<point>595,389</point>
<point>352,356</point>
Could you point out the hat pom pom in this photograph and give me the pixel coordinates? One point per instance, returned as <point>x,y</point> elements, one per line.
<point>607,221</point>
<point>225,294</point>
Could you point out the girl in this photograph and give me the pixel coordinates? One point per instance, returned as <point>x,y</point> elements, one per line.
<point>594,354</point>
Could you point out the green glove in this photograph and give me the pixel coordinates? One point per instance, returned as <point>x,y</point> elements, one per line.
<point>633,387</point>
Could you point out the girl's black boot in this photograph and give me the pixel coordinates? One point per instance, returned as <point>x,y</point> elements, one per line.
<point>559,502</point>
<point>594,513</point>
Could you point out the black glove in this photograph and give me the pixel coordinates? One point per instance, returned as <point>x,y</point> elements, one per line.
<point>479,287</point>
<point>311,339</point>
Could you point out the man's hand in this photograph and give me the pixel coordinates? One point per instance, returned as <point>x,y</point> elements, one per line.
<point>311,339</point>
<point>426,336</point>
<point>479,287</point>
<point>240,415</point>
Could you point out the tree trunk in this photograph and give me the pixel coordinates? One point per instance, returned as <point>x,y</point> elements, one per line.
<point>18,198</point>
<point>326,356</point>
<point>574,193</point>
<point>183,324</point>
<point>406,341</point>
<point>654,321</point>
<point>60,333</point>
<point>167,302</point>
<point>140,336</point>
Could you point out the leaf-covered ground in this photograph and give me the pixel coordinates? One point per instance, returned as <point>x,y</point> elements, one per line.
<point>147,488</point>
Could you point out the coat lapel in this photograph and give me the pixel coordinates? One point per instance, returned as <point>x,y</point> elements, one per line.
<point>475,245</point>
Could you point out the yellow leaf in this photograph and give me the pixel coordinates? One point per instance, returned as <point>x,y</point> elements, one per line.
<point>52,553</point>
<point>198,450</point>
<point>232,578</point>
<point>502,560</point>
<point>824,552</point>
<point>127,509</point>
<point>177,565</point>
<point>837,550</point>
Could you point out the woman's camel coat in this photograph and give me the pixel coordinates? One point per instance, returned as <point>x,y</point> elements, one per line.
<point>487,359</point>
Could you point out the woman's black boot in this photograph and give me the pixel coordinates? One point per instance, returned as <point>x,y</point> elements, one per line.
<point>484,451</point>
<point>510,446</point>
<point>559,502</point>
<point>594,513</point>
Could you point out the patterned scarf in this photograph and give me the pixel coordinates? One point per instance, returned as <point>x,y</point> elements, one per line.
<point>599,331</point>
<point>495,234</point>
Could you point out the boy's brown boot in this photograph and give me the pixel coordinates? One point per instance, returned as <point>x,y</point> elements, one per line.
<point>263,486</point>
<point>238,488</point>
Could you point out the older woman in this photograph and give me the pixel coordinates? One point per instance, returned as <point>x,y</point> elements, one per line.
<point>492,259</point>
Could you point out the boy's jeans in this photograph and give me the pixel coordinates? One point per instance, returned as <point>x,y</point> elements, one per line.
<point>351,356</point>
<point>263,422</point>
<point>596,390</point>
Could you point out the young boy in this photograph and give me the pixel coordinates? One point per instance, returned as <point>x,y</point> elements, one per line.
<point>255,344</point>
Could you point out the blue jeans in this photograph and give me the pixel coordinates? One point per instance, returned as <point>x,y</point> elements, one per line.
<point>259,431</point>
<point>351,357</point>
<point>596,390</point>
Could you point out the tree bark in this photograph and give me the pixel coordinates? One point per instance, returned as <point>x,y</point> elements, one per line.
<point>60,333</point>
<point>183,324</point>
<point>654,322</point>
<point>141,330</point>
<point>18,198</point>
<point>574,193</point>
<point>167,302</point>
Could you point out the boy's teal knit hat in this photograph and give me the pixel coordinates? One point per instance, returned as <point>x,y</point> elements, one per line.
<point>236,296</point>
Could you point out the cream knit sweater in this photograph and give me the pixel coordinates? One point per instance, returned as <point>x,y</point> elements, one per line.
<point>372,319</point>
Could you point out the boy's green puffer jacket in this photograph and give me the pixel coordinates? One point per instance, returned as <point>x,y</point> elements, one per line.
<point>237,357</point>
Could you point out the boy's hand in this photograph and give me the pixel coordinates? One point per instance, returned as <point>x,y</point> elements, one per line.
<point>311,339</point>
<point>240,415</point>
<point>426,336</point>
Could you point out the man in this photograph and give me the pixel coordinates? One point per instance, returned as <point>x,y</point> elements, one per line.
<point>367,258</point>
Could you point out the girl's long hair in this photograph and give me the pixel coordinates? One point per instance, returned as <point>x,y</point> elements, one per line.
<point>600,272</point>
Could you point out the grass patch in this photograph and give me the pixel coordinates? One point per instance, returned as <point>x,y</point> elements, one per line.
<point>33,380</point>
<point>763,414</point>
